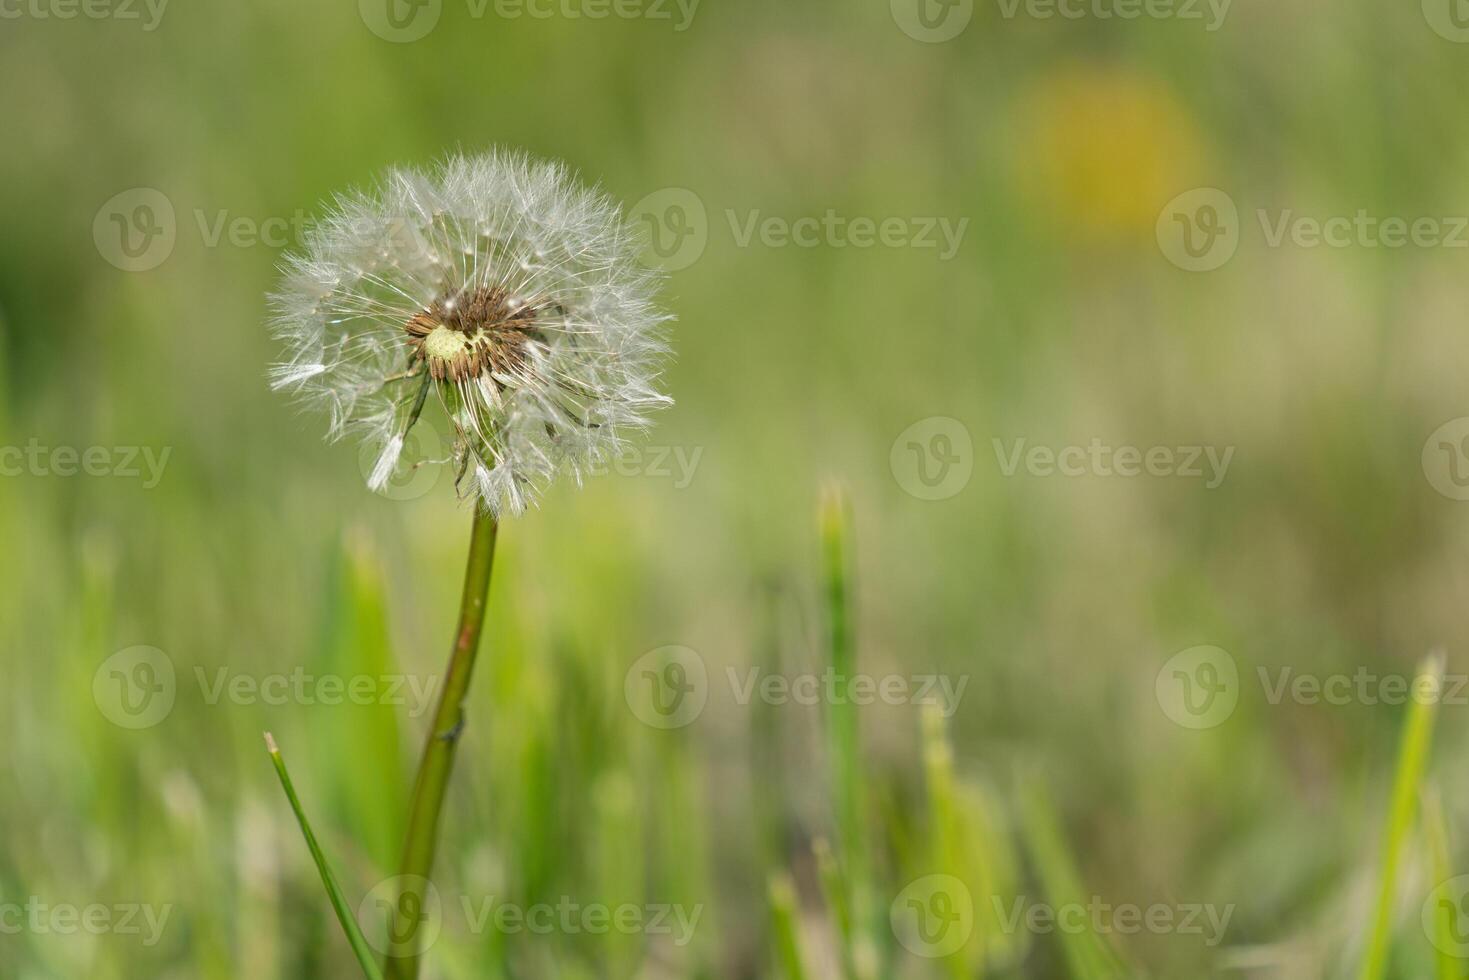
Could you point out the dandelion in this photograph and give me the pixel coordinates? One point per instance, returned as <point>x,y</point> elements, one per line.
<point>498,286</point>
<point>1100,151</point>
<point>514,298</point>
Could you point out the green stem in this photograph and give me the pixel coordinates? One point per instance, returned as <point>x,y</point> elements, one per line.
<point>438,753</point>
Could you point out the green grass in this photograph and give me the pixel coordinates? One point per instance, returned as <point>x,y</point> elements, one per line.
<point>1441,868</point>
<point>1402,816</point>
<point>259,553</point>
<point>343,909</point>
<point>783,914</point>
<point>1087,954</point>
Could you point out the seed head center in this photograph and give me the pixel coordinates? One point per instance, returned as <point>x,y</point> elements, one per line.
<point>444,344</point>
<point>483,332</point>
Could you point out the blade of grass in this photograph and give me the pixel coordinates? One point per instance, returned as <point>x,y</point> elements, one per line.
<point>784,926</point>
<point>358,942</point>
<point>988,861</point>
<point>843,736</point>
<point>1435,831</point>
<point>948,848</point>
<point>834,891</point>
<point>1088,956</point>
<point>362,756</point>
<point>619,862</point>
<point>1412,761</point>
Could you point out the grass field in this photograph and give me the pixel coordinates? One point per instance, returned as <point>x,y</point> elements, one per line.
<point>944,277</point>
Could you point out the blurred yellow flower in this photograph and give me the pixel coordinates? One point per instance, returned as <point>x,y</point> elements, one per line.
<point>1099,150</point>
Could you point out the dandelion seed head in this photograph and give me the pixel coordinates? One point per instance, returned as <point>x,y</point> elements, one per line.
<point>495,287</point>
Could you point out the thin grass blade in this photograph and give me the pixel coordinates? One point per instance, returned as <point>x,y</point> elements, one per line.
<point>1440,864</point>
<point>843,734</point>
<point>1412,761</point>
<point>785,926</point>
<point>360,948</point>
<point>1088,956</point>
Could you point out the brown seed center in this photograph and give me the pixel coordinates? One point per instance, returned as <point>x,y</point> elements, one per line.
<point>485,332</point>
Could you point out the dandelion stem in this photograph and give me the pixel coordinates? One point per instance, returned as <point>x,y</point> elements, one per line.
<point>438,753</point>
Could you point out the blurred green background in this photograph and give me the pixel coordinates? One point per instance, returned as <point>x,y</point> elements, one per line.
<point>149,180</point>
